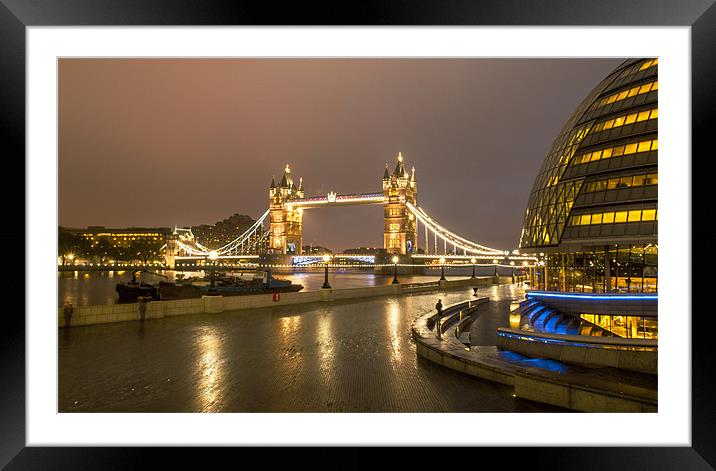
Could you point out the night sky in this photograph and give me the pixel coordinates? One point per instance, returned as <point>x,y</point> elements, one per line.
<point>185,142</point>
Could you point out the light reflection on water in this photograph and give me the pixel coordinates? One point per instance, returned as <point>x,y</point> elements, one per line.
<point>393,321</point>
<point>208,370</point>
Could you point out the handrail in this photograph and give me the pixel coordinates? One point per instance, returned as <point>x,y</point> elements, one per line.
<point>569,338</point>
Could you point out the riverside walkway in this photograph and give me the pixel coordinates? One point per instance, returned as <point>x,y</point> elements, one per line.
<point>541,379</point>
<point>341,356</point>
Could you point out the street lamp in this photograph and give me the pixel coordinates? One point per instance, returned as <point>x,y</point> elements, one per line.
<point>442,269</point>
<point>513,271</point>
<point>395,260</point>
<point>473,260</point>
<point>213,255</point>
<point>495,262</point>
<point>326,259</point>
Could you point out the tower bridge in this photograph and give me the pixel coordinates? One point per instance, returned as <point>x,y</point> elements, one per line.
<point>408,230</point>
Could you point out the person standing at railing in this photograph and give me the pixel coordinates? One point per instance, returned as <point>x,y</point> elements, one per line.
<point>439,308</point>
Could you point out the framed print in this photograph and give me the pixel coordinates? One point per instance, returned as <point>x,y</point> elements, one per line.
<point>204,190</point>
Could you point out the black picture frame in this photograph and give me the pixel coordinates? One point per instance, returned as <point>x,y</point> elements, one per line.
<point>16,15</point>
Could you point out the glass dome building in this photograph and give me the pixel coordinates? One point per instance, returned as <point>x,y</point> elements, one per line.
<point>592,210</point>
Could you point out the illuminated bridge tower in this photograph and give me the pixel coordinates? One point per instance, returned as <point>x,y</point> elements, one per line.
<point>399,233</point>
<point>285,223</point>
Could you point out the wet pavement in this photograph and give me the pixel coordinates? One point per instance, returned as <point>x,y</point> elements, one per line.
<point>323,357</point>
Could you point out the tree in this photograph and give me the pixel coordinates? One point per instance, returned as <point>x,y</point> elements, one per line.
<point>145,249</point>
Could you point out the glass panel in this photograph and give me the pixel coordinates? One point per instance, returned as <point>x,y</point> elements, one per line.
<point>617,151</point>
<point>643,116</point>
<point>631,118</point>
<point>620,216</point>
<point>655,144</point>
<point>606,153</point>
<point>634,215</point>
<point>639,180</point>
<point>585,219</point>
<point>608,218</point>
<point>648,215</point>
<point>630,148</point>
<point>597,218</point>
<point>644,146</point>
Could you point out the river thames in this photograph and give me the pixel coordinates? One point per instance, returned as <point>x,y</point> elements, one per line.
<point>93,288</point>
<point>339,357</point>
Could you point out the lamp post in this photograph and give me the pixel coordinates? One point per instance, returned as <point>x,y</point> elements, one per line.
<point>513,271</point>
<point>442,269</point>
<point>326,285</point>
<point>472,260</point>
<point>495,262</point>
<point>213,255</point>
<point>395,270</point>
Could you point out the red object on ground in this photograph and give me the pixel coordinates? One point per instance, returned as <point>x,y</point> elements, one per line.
<point>276,296</point>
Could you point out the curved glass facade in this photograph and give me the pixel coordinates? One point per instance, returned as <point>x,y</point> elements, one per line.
<point>592,210</point>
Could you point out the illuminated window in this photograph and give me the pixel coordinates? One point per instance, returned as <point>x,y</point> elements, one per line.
<point>638,90</point>
<point>648,215</point>
<point>634,215</point>
<point>644,146</point>
<point>648,64</point>
<point>585,219</point>
<point>652,179</point>
<point>608,218</point>
<point>620,216</point>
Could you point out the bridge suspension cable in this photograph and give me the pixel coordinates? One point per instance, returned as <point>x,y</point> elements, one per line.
<point>447,236</point>
<point>246,241</point>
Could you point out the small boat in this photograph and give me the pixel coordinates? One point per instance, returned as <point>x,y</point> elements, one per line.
<point>259,282</point>
<point>131,290</point>
<point>183,290</point>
